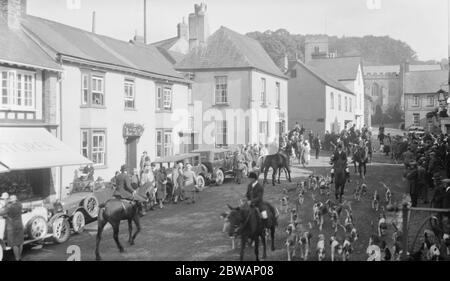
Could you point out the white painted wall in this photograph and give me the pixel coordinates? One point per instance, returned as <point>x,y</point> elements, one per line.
<point>336,115</point>
<point>111,118</point>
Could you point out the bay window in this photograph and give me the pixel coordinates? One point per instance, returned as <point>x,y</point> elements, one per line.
<point>17,89</point>
<point>164,145</point>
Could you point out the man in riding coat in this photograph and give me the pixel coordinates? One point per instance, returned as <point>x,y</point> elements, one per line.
<point>255,193</point>
<point>339,154</point>
<point>124,190</point>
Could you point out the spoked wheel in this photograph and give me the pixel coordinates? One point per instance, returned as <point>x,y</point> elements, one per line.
<point>219,177</point>
<point>37,228</point>
<point>61,230</point>
<point>90,204</point>
<point>78,222</point>
<point>200,182</point>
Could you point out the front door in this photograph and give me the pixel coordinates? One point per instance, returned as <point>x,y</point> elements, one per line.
<point>131,148</point>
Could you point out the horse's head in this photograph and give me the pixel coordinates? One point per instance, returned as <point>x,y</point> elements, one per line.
<point>235,220</point>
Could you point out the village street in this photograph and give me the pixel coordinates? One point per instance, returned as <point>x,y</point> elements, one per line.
<point>194,231</point>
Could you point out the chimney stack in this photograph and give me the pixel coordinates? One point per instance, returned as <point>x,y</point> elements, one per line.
<point>198,26</point>
<point>145,22</point>
<point>183,30</point>
<point>12,11</point>
<point>93,22</point>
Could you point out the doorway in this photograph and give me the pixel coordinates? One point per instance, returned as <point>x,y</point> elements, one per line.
<point>131,153</point>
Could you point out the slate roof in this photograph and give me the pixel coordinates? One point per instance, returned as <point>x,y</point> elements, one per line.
<point>376,69</point>
<point>16,47</point>
<point>424,82</point>
<point>340,68</point>
<point>80,44</point>
<point>322,76</point>
<point>226,48</point>
<point>166,44</point>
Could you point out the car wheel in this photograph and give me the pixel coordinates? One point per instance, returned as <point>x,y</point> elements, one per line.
<point>200,182</point>
<point>219,177</point>
<point>90,205</point>
<point>61,230</point>
<point>78,222</point>
<point>37,228</point>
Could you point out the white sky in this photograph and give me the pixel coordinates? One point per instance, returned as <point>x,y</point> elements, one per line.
<point>423,24</point>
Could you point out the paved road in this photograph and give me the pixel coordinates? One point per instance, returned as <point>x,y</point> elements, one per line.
<point>193,231</point>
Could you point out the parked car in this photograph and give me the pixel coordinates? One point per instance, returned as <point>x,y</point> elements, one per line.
<point>41,223</point>
<point>169,162</point>
<point>82,201</point>
<point>219,163</point>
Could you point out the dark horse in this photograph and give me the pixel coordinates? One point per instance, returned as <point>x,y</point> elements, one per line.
<point>277,162</point>
<point>360,157</point>
<point>340,178</point>
<point>114,211</point>
<point>248,224</point>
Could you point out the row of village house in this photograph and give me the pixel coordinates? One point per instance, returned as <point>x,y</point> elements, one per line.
<point>68,95</point>
<point>108,100</point>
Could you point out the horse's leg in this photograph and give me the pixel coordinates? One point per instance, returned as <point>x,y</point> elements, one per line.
<point>101,224</point>
<point>115,227</point>
<point>274,174</point>
<point>263,239</point>
<point>243,241</point>
<point>257,247</point>
<point>272,238</point>
<point>365,169</point>
<point>279,175</point>
<point>130,231</point>
<point>138,227</point>
<point>266,170</point>
<point>354,164</point>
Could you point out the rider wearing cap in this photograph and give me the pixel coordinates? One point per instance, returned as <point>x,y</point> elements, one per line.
<point>124,189</point>
<point>339,154</point>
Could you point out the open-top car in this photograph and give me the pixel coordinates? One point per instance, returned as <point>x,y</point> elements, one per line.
<point>219,163</point>
<point>200,170</point>
<point>83,198</point>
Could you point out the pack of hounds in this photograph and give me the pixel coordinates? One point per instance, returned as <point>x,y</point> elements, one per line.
<point>342,222</point>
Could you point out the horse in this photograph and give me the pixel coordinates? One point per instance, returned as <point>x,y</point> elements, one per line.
<point>277,162</point>
<point>245,222</point>
<point>340,178</point>
<point>360,157</point>
<point>114,211</point>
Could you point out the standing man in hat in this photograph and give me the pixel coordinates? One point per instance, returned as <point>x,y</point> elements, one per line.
<point>14,226</point>
<point>339,154</point>
<point>142,163</point>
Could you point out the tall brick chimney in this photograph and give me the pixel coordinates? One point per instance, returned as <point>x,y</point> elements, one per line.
<point>198,26</point>
<point>183,30</point>
<point>12,12</point>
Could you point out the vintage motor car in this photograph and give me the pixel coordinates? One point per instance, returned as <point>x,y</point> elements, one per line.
<point>200,170</point>
<point>84,195</point>
<point>219,163</point>
<point>40,222</point>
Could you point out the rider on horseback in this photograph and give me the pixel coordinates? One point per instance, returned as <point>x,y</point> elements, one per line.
<point>339,154</point>
<point>124,191</point>
<point>255,193</point>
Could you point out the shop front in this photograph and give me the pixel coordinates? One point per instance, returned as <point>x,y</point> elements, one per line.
<point>27,156</point>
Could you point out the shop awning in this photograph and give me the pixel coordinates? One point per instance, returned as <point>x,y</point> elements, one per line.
<point>34,148</point>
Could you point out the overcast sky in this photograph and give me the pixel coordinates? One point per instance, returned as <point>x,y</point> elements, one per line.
<point>423,24</point>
